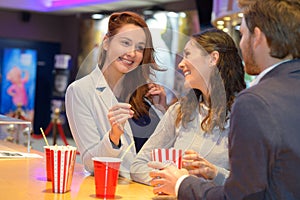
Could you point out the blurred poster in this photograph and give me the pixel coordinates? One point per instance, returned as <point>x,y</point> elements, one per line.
<point>18,81</point>
<point>61,75</point>
<point>61,79</point>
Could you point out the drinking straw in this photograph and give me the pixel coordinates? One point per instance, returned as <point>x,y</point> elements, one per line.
<point>128,148</point>
<point>44,136</point>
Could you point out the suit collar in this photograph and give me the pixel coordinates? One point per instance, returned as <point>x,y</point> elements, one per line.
<point>284,68</point>
<point>265,72</point>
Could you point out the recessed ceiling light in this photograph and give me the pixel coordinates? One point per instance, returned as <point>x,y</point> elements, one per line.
<point>227,18</point>
<point>225,30</point>
<point>220,22</point>
<point>97,16</point>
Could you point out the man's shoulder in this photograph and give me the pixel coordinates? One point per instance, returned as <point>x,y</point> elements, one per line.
<point>252,92</point>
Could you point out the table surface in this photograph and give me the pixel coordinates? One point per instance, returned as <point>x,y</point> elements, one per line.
<point>25,178</point>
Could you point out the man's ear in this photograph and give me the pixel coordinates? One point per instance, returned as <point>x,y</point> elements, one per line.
<point>259,37</point>
<point>214,58</point>
<point>105,43</point>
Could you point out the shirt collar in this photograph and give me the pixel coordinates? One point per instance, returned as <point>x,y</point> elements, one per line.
<point>263,73</point>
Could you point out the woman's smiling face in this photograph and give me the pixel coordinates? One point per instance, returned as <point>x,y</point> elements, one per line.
<point>195,66</point>
<point>125,50</point>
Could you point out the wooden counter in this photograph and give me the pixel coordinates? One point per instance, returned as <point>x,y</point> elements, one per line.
<point>25,179</point>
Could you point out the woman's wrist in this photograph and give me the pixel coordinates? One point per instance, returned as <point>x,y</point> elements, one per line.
<point>114,138</point>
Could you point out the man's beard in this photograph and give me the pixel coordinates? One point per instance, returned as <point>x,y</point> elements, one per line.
<point>251,66</point>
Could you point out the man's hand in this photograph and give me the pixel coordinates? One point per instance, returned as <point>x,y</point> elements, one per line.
<point>165,177</point>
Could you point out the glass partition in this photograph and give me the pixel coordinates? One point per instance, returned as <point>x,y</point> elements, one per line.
<point>15,130</point>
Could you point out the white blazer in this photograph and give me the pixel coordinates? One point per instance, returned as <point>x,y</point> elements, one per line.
<point>87,102</point>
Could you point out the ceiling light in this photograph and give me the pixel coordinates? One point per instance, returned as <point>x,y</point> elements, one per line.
<point>172,14</point>
<point>220,27</point>
<point>148,12</point>
<point>220,22</point>
<point>225,30</point>
<point>182,14</point>
<point>97,16</point>
<point>237,27</point>
<point>227,18</point>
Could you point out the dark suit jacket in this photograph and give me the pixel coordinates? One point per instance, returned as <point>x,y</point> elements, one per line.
<point>264,142</point>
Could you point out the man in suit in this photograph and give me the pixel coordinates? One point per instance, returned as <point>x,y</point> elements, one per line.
<point>264,149</point>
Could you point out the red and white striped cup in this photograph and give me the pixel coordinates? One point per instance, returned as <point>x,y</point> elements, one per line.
<point>62,162</point>
<point>173,156</point>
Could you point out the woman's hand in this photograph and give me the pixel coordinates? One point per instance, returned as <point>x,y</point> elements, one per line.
<point>117,116</point>
<point>197,165</point>
<point>157,95</point>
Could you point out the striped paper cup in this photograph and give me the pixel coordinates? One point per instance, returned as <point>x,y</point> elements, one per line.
<point>62,163</point>
<point>173,156</point>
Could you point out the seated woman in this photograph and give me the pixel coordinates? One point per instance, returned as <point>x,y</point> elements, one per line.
<point>199,122</point>
<point>107,108</point>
